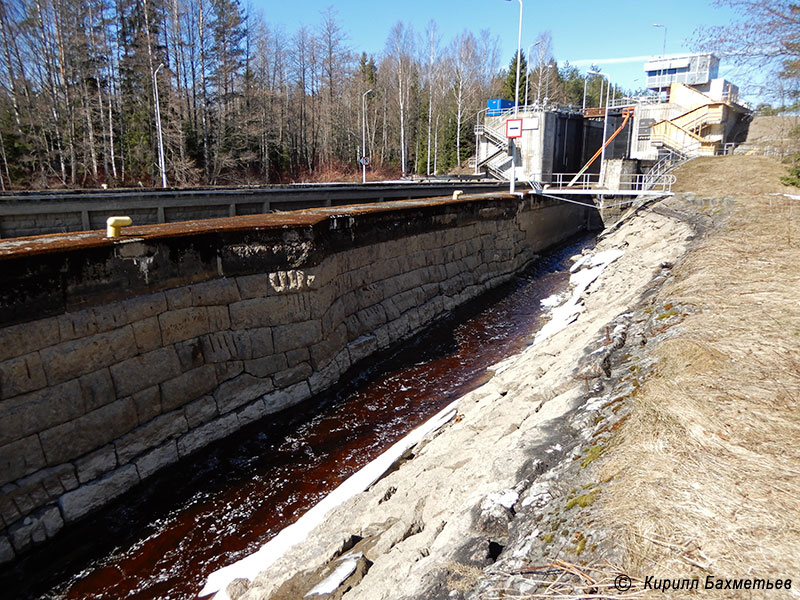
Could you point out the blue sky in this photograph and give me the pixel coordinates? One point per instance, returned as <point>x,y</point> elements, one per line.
<point>581,30</point>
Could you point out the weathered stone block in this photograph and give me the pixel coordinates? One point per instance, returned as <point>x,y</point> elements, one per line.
<point>183,324</point>
<point>280,399</point>
<point>221,291</point>
<point>72,359</point>
<point>371,318</point>
<point>205,434</point>
<point>408,300</point>
<point>7,553</point>
<point>52,521</point>
<point>252,286</point>
<point>251,412</point>
<point>266,366</point>
<point>218,318</point>
<point>87,498</point>
<point>296,335</point>
<point>140,308</point>
<point>295,357</point>
<point>96,463</point>
<point>20,458</point>
<point>20,375</point>
<point>150,435</point>
<point>43,487</point>
<point>219,347</point>
<point>144,371</point>
<point>9,513</point>
<point>19,340</point>
<point>323,353</point>
<point>292,375</point>
<point>78,324</point>
<point>362,347</point>
<point>334,316</point>
<point>200,411</point>
<point>147,404</point>
<point>30,413</point>
<point>188,386</point>
<point>157,459</point>
<point>110,316</point>
<point>178,298</point>
<point>97,389</point>
<point>147,334</point>
<point>240,390</point>
<point>84,434</point>
<point>190,354</point>
<point>229,370</point>
<point>20,534</point>
<point>260,340</point>
<point>255,312</point>
<point>368,295</point>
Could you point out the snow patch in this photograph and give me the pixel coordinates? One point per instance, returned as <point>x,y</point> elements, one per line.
<point>581,279</point>
<point>506,499</point>
<point>332,582</point>
<point>551,301</point>
<point>252,565</point>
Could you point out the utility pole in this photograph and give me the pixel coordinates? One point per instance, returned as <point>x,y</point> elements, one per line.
<point>161,164</point>
<point>364,136</point>
<point>516,100</point>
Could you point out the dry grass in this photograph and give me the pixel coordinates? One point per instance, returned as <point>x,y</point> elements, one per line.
<point>707,471</point>
<point>735,175</point>
<point>562,580</point>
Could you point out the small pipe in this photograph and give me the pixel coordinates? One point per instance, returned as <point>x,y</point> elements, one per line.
<point>115,224</point>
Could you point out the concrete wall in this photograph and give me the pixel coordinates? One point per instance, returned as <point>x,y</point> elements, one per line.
<point>37,213</point>
<point>118,358</point>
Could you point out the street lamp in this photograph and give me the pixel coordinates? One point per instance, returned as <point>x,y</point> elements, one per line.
<point>528,70</point>
<point>664,46</point>
<point>364,136</point>
<point>516,99</point>
<point>585,80</point>
<point>161,165</point>
<point>605,122</point>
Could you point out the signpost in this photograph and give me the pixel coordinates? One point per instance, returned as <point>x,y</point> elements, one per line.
<point>514,128</point>
<point>513,131</point>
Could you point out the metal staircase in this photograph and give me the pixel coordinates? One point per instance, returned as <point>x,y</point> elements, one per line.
<point>494,162</point>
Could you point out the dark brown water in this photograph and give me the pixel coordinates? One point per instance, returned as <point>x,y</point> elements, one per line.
<point>165,537</point>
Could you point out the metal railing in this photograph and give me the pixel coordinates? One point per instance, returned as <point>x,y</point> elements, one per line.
<point>627,181</point>
<point>634,100</point>
<point>494,136</point>
<point>538,107</point>
<point>585,181</point>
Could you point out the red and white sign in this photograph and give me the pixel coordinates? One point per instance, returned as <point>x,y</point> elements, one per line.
<point>514,128</point>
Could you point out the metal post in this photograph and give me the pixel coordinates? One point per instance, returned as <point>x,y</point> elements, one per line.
<point>516,100</point>
<point>664,45</point>
<point>585,79</point>
<point>605,125</point>
<point>528,70</point>
<point>477,146</point>
<point>161,164</point>
<point>364,135</point>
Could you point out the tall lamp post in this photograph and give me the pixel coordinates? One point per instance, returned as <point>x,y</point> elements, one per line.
<point>161,165</point>
<point>364,136</point>
<point>528,70</point>
<point>664,45</point>
<point>516,100</point>
<point>663,51</point>
<point>605,123</point>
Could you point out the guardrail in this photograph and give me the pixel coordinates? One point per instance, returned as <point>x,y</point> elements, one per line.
<point>628,182</point>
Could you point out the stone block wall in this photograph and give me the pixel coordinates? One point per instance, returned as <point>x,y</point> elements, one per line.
<point>121,377</point>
